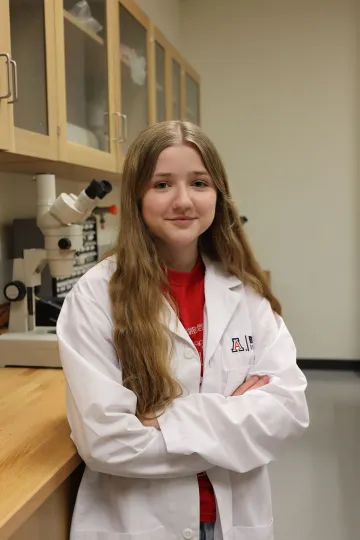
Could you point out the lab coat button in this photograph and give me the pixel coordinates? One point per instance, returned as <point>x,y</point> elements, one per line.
<point>188,534</point>
<point>189,354</point>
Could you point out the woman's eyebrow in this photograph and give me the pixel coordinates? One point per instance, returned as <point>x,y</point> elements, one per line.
<point>162,174</point>
<point>201,173</point>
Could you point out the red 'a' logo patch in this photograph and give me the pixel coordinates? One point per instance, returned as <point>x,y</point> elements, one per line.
<point>236,345</point>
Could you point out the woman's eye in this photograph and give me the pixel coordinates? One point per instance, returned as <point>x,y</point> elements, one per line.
<point>199,184</point>
<point>161,185</point>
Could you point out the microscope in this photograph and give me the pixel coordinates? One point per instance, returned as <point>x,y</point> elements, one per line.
<point>59,219</point>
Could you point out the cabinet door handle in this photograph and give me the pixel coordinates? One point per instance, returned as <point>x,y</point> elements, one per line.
<point>118,116</point>
<point>122,132</point>
<point>124,128</point>
<point>7,61</point>
<point>14,82</point>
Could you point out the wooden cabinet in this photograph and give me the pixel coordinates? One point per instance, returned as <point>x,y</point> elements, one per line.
<point>192,95</point>
<point>176,89</point>
<point>6,110</point>
<point>133,73</point>
<point>28,78</point>
<point>76,88</point>
<point>85,65</point>
<point>161,105</point>
<point>184,89</point>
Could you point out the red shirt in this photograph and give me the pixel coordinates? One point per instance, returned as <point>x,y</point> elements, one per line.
<point>187,289</point>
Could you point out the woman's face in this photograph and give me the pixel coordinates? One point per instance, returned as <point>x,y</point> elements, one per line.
<point>180,199</point>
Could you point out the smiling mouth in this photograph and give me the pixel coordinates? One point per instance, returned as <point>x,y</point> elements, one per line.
<point>181,219</point>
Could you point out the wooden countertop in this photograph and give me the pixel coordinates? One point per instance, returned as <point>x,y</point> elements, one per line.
<point>36,452</point>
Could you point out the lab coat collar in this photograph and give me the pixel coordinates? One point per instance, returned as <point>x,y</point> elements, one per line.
<point>215,271</point>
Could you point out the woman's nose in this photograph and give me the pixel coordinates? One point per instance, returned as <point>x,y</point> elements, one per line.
<point>182,199</point>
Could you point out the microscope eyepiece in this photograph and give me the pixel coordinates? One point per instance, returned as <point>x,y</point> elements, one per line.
<point>93,189</point>
<point>106,188</point>
<point>98,189</point>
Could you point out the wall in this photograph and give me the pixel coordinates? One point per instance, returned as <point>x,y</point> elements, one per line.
<point>280,97</point>
<point>165,15</point>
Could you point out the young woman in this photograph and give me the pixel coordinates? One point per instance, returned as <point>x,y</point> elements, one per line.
<point>182,383</point>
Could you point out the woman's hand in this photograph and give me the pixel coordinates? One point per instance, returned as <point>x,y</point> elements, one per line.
<point>151,422</point>
<point>252,384</point>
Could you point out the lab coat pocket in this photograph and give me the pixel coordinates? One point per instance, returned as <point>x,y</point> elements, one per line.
<point>157,534</point>
<point>252,533</point>
<point>234,378</point>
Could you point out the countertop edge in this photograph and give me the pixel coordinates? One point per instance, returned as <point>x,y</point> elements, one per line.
<point>29,507</point>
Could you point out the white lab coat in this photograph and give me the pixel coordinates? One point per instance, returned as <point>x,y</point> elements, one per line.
<point>140,483</point>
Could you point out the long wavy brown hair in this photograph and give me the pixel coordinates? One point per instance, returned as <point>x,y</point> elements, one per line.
<point>139,284</point>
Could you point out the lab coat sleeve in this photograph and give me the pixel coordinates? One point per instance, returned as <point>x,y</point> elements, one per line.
<point>101,411</point>
<point>245,432</point>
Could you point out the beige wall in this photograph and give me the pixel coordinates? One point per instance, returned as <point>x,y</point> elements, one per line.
<point>165,15</point>
<point>280,97</point>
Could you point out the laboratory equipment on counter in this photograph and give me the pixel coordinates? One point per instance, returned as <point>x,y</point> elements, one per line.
<point>59,219</point>
<point>25,234</point>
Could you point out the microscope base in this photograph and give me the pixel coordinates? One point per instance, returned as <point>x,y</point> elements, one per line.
<point>38,348</point>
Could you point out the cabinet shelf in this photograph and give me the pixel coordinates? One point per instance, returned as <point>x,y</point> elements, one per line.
<point>76,22</point>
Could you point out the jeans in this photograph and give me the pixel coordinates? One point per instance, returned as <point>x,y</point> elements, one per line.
<point>207,531</point>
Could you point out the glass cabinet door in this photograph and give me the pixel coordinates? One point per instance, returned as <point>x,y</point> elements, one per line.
<point>192,99</point>
<point>6,122</point>
<point>28,50</point>
<point>133,31</point>
<point>32,77</point>
<point>160,77</point>
<point>160,82</point>
<point>86,74</point>
<point>176,89</point>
